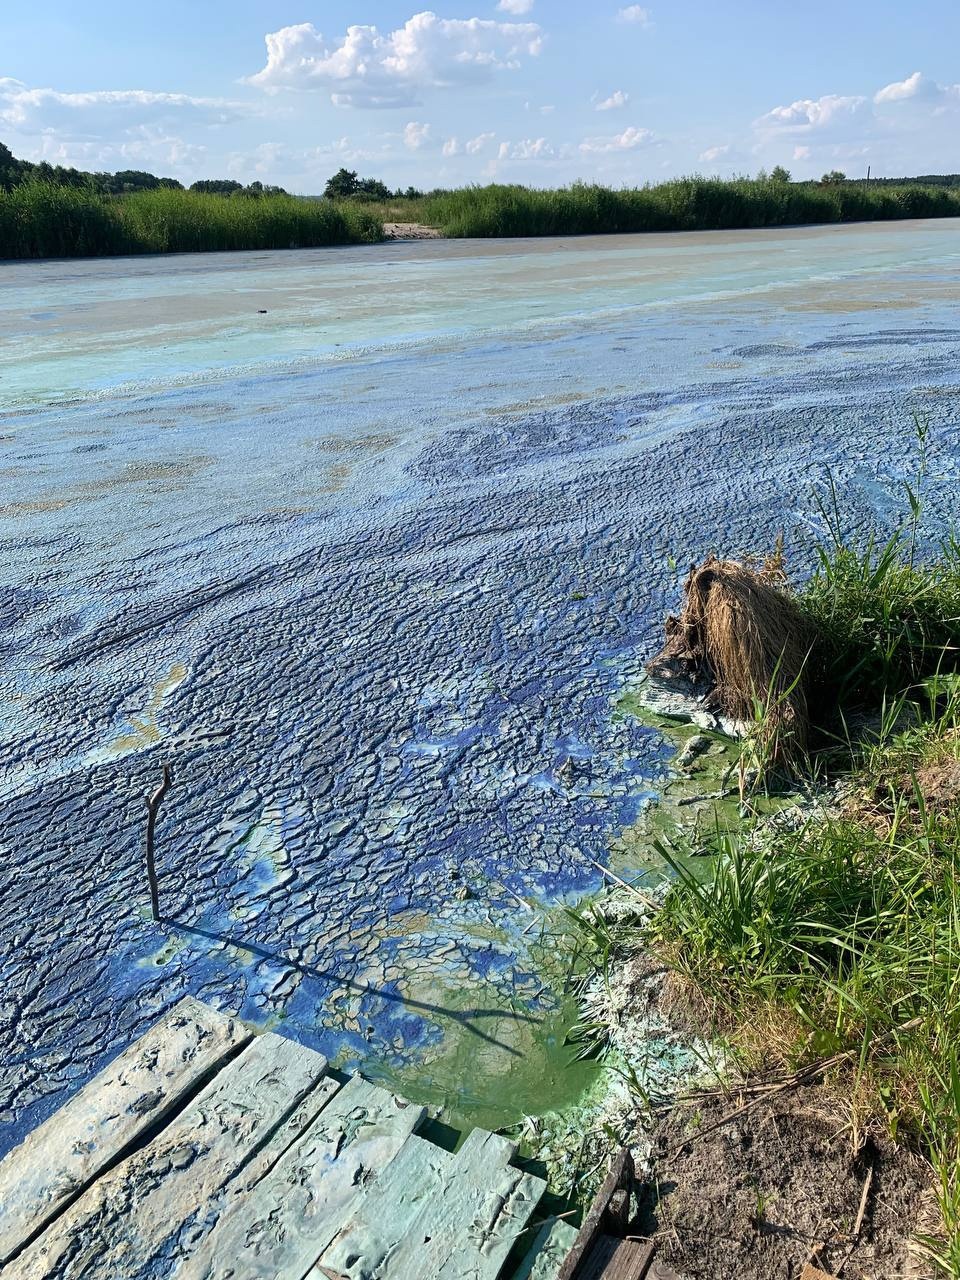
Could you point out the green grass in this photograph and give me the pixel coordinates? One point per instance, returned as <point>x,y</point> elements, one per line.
<point>43,220</point>
<point>687,204</point>
<point>843,938</point>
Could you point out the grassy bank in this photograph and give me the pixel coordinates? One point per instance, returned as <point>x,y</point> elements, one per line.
<point>44,220</point>
<point>837,942</point>
<point>687,204</point>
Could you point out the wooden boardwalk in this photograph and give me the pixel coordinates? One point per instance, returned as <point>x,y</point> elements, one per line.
<point>206,1152</point>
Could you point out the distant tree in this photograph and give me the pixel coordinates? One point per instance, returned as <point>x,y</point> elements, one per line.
<point>411,193</point>
<point>779,174</point>
<point>762,175</point>
<point>346,185</point>
<point>373,189</point>
<point>832,178</point>
<point>342,185</point>
<point>216,186</point>
<point>11,169</point>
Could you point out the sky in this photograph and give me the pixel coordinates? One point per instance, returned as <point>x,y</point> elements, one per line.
<point>536,91</point>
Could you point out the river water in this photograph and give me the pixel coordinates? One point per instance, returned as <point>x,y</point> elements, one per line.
<point>367,544</point>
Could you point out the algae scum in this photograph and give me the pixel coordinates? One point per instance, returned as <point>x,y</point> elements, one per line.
<point>372,572</point>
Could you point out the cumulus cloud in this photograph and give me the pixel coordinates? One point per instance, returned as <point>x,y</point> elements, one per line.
<point>515,6</point>
<point>416,135</point>
<point>813,113</point>
<point>365,68</point>
<point>629,140</point>
<point>477,144</point>
<point>801,153</point>
<point>35,111</point>
<point>636,14</point>
<point>712,154</point>
<point>527,149</point>
<point>616,100</point>
<point>916,88</point>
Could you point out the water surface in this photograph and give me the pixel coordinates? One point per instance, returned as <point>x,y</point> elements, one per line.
<point>367,543</point>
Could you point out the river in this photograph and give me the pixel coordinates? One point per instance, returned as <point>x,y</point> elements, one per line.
<point>367,543</point>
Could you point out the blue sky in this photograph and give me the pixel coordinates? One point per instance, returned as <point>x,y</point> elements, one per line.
<point>537,91</point>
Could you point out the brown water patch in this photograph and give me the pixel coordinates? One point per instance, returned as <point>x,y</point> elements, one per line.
<point>337,477</point>
<point>14,509</point>
<point>145,729</point>
<point>377,443</point>
<point>162,474</point>
<point>844,305</point>
<point>544,402</point>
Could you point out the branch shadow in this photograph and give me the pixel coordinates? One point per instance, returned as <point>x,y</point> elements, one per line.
<point>464,1017</point>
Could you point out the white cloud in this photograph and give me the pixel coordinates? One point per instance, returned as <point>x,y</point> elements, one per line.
<point>616,100</point>
<point>515,6</point>
<point>629,140</point>
<point>368,69</point>
<point>416,135</point>
<point>813,113</point>
<point>477,144</point>
<point>916,88</point>
<point>635,14</point>
<point>35,111</point>
<point>712,154</point>
<point>527,149</point>
<point>451,147</point>
<point>801,153</point>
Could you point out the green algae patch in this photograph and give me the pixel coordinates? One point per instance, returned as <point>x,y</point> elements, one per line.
<point>698,795</point>
<point>497,1066</point>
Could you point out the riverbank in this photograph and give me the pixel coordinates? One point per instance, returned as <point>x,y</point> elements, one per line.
<point>809,938</point>
<point>46,220</point>
<point>682,204</point>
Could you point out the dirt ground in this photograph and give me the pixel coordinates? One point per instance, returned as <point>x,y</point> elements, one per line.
<point>780,1186</point>
<point>410,231</point>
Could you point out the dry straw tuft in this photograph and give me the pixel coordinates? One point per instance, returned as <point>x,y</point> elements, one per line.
<point>744,635</point>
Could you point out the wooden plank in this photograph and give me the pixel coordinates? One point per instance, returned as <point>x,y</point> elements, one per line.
<point>619,1178</point>
<point>477,1246</point>
<point>132,1219</point>
<point>281,1225</point>
<point>189,1239</point>
<point>148,1081</point>
<point>613,1259</point>
<point>465,1229</point>
<point>550,1247</point>
<point>381,1215</point>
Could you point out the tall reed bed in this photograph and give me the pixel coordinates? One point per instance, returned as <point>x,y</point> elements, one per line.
<point>687,204</point>
<point>43,220</point>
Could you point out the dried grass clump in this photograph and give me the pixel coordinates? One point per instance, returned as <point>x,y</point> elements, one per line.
<point>743,636</point>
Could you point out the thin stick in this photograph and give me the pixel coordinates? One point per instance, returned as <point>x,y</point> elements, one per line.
<point>624,884</point>
<point>153,805</point>
<point>855,1235</point>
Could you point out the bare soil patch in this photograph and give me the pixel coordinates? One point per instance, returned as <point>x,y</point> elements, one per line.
<point>780,1186</point>
<point>410,231</point>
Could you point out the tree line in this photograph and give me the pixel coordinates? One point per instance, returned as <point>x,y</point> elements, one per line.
<point>13,172</point>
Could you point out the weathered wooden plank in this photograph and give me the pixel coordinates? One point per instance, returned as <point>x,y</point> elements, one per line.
<point>465,1229</point>
<point>381,1214</point>
<point>132,1218</point>
<point>550,1247</point>
<point>619,1178</point>
<point>280,1227</point>
<point>188,1240</point>
<point>614,1259</point>
<point>147,1082</point>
